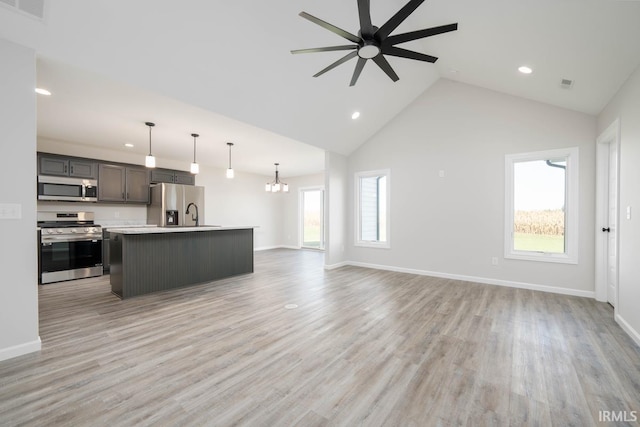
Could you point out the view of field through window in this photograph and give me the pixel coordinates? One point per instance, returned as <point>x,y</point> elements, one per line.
<point>539,205</point>
<point>312,219</point>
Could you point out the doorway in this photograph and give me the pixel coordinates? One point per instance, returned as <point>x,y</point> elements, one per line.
<point>312,218</point>
<point>607,214</point>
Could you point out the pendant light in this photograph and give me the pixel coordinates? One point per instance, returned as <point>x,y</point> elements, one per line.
<point>195,168</point>
<point>230,173</point>
<point>150,161</point>
<point>277,186</point>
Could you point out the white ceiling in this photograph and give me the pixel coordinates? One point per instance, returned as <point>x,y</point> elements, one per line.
<point>223,69</point>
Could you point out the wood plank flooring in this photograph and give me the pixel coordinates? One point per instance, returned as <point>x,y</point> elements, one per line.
<point>364,347</point>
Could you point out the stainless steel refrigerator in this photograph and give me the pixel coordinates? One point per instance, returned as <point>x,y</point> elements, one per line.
<point>170,203</point>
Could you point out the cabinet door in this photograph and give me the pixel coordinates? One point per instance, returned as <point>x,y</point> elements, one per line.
<point>137,185</point>
<point>185,178</point>
<point>111,183</point>
<point>82,169</point>
<point>53,166</point>
<point>160,175</point>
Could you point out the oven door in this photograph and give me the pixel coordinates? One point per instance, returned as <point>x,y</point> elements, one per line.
<point>70,258</point>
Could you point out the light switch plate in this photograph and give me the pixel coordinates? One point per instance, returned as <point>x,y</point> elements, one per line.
<point>10,211</point>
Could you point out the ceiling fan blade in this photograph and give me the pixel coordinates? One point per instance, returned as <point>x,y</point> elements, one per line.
<point>404,53</point>
<point>364,10</point>
<point>397,19</point>
<point>338,62</point>
<point>357,71</point>
<point>386,67</point>
<point>330,27</point>
<point>415,35</point>
<point>326,49</point>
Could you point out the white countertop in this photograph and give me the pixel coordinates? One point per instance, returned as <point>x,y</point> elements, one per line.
<point>157,230</point>
<point>109,227</point>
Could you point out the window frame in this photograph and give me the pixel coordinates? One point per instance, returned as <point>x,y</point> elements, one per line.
<point>570,255</point>
<point>358,209</point>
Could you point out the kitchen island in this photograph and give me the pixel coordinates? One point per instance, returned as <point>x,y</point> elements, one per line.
<point>151,259</point>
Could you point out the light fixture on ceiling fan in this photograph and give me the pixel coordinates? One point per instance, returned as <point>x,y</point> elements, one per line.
<point>195,168</point>
<point>150,161</point>
<point>230,173</point>
<point>276,185</point>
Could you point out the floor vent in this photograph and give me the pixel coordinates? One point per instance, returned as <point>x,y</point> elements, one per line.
<point>33,8</point>
<point>566,83</point>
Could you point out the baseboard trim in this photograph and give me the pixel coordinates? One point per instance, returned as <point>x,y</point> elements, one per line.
<point>20,349</point>
<point>484,280</point>
<point>268,248</point>
<point>628,329</point>
<point>334,266</point>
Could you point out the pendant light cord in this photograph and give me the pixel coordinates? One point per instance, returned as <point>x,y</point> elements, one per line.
<point>230,144</point>
<point>151,125</point>
<point>194,135</point>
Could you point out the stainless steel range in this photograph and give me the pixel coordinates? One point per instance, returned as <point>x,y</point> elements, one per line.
<point>70,246</point>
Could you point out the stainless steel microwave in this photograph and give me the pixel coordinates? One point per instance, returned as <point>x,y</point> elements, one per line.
<point>67,189</point>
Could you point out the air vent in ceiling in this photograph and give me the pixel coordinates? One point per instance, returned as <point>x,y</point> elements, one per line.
<point>33,8</point>
<point>566,83</point>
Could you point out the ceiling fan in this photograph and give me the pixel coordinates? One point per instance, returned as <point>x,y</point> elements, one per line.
<point>373,42</point>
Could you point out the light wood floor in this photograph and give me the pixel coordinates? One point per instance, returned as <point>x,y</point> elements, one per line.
<point>364,347</point>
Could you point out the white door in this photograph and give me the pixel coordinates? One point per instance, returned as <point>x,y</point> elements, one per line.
<point>612,226</point>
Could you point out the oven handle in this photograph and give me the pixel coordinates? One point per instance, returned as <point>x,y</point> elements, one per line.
<point>61,239</point>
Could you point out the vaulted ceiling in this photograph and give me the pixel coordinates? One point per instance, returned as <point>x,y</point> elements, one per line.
<point>224,69</point>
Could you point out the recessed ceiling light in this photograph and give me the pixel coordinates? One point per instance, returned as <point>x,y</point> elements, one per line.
<point>42,91</point>
<point>128,145</point>
<point>525,70</point>
<point>355,115</point>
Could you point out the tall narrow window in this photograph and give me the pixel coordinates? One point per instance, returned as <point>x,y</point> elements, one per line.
<point>312,218</point>
<point>541,206</point>
<point>372,208</point>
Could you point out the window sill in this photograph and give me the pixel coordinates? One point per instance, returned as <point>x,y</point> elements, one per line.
<point>542,257</point>
<point>379,245</point>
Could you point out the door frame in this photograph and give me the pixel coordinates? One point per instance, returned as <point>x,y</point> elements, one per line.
<point>611,135</point>
<point>301,191</point>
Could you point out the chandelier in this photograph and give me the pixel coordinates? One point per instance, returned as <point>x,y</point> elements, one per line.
<point>276,185</point>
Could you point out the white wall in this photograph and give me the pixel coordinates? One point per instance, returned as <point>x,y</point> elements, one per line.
<point>291,218</point>
<point>453,226</point>
<point>18,252</point>
<point>626,106</point>
<point>243,201</point>
<point>336,181</point>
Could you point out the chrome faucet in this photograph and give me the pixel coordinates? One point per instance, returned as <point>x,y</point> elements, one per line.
<point>192,217</point>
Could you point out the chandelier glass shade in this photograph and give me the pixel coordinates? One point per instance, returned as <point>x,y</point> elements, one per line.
<point>276,186</point>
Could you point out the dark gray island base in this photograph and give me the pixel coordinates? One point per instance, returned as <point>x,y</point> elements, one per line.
<point>150,260</point>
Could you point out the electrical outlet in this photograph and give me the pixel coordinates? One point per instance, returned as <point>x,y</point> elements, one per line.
<point>441,174</point>
<point>116,214</point>
<point>494,260</point>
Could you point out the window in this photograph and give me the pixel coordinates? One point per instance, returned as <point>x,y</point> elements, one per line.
<point>312,217</point>
<point>372,209</point>
<point>542,206</point>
